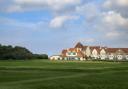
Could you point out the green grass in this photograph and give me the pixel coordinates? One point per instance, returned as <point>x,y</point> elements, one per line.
<point>44,74</point>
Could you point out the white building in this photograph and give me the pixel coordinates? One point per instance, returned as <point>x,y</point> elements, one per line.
<point>126,56</point>
<point>56,57</point>
<point>80,52</point>
<point>103,54</point>
<point>95,54</point>
<point>111,56</point>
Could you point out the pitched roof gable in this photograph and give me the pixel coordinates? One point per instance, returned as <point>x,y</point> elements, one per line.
<point>79,45</point>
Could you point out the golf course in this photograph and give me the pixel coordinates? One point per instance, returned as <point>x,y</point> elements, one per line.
<point>45,74</point>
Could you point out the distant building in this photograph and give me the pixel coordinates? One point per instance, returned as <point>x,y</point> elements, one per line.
<point>56,57</point>
<point>81,52</point>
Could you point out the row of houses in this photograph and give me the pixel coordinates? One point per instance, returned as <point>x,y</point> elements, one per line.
<point>81,52</point>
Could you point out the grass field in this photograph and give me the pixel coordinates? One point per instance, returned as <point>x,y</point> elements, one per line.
<point>44,74</point>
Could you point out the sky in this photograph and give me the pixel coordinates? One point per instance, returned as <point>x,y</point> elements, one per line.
<point>48,26</point>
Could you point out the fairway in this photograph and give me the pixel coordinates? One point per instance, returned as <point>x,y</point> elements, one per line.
<point>44,74</point>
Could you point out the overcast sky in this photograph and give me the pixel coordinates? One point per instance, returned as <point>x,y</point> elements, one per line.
<point>48,26</point>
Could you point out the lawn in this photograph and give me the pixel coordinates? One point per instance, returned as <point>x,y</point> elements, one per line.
<point>44,74</point>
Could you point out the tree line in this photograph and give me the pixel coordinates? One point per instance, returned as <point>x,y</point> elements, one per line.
<point>18,53</point>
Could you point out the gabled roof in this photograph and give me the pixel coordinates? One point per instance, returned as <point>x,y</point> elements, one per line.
<point>79,45</point>
<point>80,54</point>
<point>95,47</point>
<point>72,49</point>
<point>64,52</point>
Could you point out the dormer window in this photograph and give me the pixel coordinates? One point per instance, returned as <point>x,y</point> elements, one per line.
<point>71,53</point>
<point>74,53</point>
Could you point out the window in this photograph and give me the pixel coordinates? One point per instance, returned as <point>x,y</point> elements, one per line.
<point>111,56</point>
<point>65,58</point>
<point>77,58</point>
<point>126,56</point>
<point>74,53</point>
<point>69,53</point>
<point>119,57</point>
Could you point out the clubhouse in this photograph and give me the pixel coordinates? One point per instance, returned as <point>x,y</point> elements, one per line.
<point>81,52</point>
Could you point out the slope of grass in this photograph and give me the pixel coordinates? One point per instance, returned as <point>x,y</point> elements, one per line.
<point>43,74</point>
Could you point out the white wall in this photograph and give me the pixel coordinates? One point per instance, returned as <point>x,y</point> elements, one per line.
<point>126,57</point>
<point>103,54</point>
<point>55,58</point>
<point>88,51</point>
<point>119,57</point>
<point>82,59</point>
<point>95,53</point>
<point>111,57</point>
<point>103,57</point>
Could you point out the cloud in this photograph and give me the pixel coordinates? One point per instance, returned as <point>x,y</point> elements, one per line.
<point>113,34</point>
<point>89,10</point>
<point>111,25</point>
<point>106,23</point>
<point>11,24</point>
<point>121,3</point>
<point>60,21</point>
<point>120,6</point>
<point>114,19</point>
<point>107,27</point>
<point>28,5</point>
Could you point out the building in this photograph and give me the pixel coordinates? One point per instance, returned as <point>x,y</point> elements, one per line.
<point>56,57</point>
<point>73,54</point>
<point>81,52</point>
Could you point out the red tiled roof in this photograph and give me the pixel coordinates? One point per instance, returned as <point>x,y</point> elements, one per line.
<point>79,45</point>
<point>80,54</point>
<point>72,49</point>
<point>114,50</point>
<point>95,47</point>
<point>64,53</point>
<point>125,50</point>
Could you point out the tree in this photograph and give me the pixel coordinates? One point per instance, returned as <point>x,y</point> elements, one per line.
<point>17,52</point>
<point>40,56</point>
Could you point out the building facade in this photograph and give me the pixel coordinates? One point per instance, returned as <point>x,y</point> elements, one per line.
<point>81,52</point>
